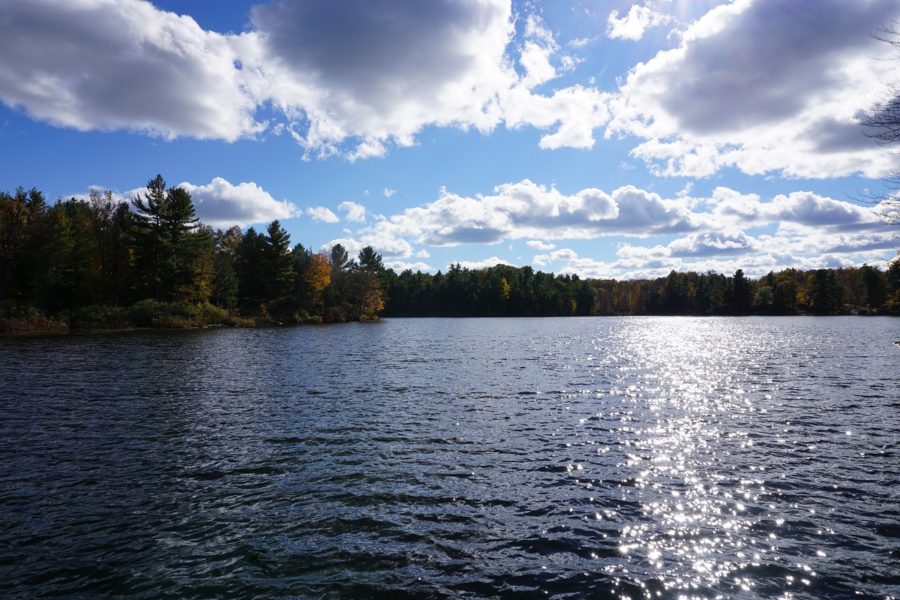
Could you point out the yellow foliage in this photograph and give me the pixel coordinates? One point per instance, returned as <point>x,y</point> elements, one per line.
<point>318,273</point>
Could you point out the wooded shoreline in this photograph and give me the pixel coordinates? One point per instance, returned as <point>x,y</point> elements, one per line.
<point>105,264</point>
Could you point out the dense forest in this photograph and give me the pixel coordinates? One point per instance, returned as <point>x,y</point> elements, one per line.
<point>506,291</point>
<point>102,263</point>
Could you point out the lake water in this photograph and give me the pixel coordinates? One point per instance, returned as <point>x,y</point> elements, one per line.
<point>638,457</point>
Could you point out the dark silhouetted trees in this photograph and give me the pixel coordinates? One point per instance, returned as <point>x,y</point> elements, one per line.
<point>503,290</point>
<point>171,248</point>
<point>102,262</point>
<point>87,261</point>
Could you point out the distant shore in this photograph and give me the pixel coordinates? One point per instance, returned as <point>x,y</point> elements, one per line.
<point>32,322</point>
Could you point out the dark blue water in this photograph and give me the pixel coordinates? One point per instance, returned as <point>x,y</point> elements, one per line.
<point>637,457</point>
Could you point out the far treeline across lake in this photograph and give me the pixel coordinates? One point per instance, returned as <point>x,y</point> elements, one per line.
<point>101,263</point>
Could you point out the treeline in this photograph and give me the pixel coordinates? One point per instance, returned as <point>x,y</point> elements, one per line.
<point>103,263</point>
<point>510,291</point>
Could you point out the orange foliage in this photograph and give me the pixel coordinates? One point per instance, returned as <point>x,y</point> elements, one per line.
<point>318,273</point>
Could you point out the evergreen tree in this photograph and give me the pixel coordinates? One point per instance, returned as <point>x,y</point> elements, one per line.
<point>279,265</point>
<point>824,292</point>
<point>153,256</point>
<point>251,269</point>
<point>112,220</point>
<point>369,260</point>
<point>170,244</point>
<point>369,290</point>
<point>741,298</point>
<point>873,286</point>
<point>225,279</point>
<point>340,260</point>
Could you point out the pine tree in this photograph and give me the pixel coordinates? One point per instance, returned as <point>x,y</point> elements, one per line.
<point>170,244</point>
<point>278,262</point>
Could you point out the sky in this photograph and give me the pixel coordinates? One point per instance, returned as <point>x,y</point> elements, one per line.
<point>610,139</point>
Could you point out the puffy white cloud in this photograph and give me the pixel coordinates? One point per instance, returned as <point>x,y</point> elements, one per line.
<point>810,209</point>
<point>352,78</point>
<point>762,255</point>
<point>712,244</point>
<point>632,26</point>
<point>693,246</point>
<point>373,74</point>
<point>800,208</point>
<point>542,260</point>
<point>122,64</point>
<point>481,264</point>
<point>764,86</point>
<point>794,239</point>
<point>389,192</point>
<point>537,54</point>
<point>528,210</point>
<point>219,203</point>
<point>647,213</point>
<point>811,230</point>
<point>385,245</point>
<point>380,69</point>
<point>576,111</point>
<point>399,266</point>
<point>321,214</point>
<point>353,212</point>
<point>714,232</point>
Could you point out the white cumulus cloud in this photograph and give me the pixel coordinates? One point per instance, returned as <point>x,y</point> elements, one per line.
<point>219,203</point>
<point>632,26</point>
<point>353,78</point>
<point>399,266</point>
<point>539,245</point>
<point>719,232</point>
<point>321,214</point>
<point>122,64</point>
<point>481,264</point>
<point>764,86</point>
<point>353,212</point>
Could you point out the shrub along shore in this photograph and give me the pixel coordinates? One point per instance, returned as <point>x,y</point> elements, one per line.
<point>102,264</point>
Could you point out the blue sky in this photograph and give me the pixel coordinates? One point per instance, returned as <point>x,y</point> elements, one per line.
<point>608,139</point>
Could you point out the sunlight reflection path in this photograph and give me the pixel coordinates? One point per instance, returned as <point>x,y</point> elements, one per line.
<point>696,507</point>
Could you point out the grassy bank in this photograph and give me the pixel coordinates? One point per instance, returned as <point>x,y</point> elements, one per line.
<point>142,315</point>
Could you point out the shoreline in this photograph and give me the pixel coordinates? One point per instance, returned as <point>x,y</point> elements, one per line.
<point>60,328</point>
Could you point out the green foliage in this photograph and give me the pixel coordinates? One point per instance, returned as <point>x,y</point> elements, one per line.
<point>340,260</point>
<point>176,315</point>
<point>99,317</point>
<point>824,293</point>
<point>369,260</point>
<point>892,286</point>
<point>278,264</point>
<point>463,292</point>
<point>224,290</point>
<point>102,264</point>
<point>249,261</point>
<point>173,251</point>
<point>15,318</point>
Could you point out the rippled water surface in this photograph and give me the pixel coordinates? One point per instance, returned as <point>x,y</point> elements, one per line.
<point>734,458</point>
